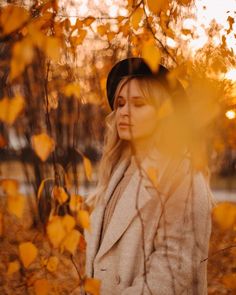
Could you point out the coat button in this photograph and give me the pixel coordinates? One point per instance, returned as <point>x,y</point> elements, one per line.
<point>118,279</point>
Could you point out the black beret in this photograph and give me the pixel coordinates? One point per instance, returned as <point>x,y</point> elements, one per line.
<point>133,66</point>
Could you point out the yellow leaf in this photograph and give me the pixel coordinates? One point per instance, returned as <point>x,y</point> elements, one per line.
<point>13,267</point>
<point>184,2</point>
<point>92,286</point>
<point>89,20</point>
<point>111,35</point>
<point>151,55</point>
<point>52,263</point>
<point>153,175</point>
<point>12,17</point>
<point>55,231</point>
<point>28,253</point>
<point>23,53</point>
<point>156,6</point>
<point>11,108</point>
<point>43,145</point>
<point>225,215</point>
<point>102,29</point>
<point>1,224</point>
<point>59,194</point>
<point>72,89</point>
<point>83,218</point>
<point>71,241</point>
<point>10,186</point>
<point>52,48</point>
<point>75,202</point>
<point>68,222</point>
<point>16,204</point>
<point>87,167</point>
<point>137,17</point>
<point>42,287</point>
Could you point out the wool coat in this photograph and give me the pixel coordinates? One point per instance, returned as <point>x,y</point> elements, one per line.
<point>157,239</point>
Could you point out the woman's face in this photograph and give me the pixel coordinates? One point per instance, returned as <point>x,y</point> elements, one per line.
<point>134,113</point>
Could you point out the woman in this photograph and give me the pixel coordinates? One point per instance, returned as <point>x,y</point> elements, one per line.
<point>151,222</point>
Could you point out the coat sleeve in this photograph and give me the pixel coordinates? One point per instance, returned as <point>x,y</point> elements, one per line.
<point>181,241</point>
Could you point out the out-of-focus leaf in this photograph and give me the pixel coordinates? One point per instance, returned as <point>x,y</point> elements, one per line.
<point>165,110</point>
<point>87,167</point>
<point>23,53</point>
<point>72,89</point>
<point>52,48</point>
<point>52,263</point>
<point>3,141</point>
<point>83,218</point>
<point>59,194</point>
<point>75,202</point>
<point>10,186</point>
<point>42,287</point>
<point>89,20</point>
<point>12,17</point>
<point>225,215</point>
<point>11,108</point>
<point>42,186</point>
<point>16,204</point>
<point>137,17</point>
<point>56,231</point>
<point>151,55</point>
<point>13,267</point>
<point>92,286</point>
<point>156,6</point>
<point>68,222</point>
<point>71,241</point>
<point>43,145</point>
<point>28,253</point>
<point>102,29</point>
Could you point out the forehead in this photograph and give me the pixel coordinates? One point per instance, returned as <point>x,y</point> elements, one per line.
<point>130,88</point>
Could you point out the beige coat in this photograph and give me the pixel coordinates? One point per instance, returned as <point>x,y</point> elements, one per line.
<point>158,249</point>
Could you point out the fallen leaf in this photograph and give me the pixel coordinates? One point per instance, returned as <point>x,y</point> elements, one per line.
<point>13,267</point>
<point>16,204</point>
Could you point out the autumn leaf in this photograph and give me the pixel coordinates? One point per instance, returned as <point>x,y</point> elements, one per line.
<point>136,17</point>
<point>23,53</point>
<point>156,6</point>
<point>75,202</point>
<point>28,253</point>
<point>12,17</point>
<point>42,287</point>
<point>71,241</point>
<point>87,167</point>
<point>102,29</point>
<point>72,89</point>
<point>59,194</point>
<point>56,231</point>
<point>13,267</point>
<point>151,55</point>
<point>52,263</point>
<point>89,20</point>
<point>10,186</point>
<point>92,286</point>
<point>52,48</point>
<point>16,204</point>
<point>83,218</point>
<point>68,222</point>
<point>225,215</point>
<point>43,145</point>
<point>10,108</point>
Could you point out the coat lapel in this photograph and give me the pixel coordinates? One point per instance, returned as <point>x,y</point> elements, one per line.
<point>97,215</point>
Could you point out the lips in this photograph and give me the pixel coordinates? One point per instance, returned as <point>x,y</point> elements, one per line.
<point>124,125</point>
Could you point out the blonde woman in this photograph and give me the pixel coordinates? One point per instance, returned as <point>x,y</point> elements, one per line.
<point>151,218</point>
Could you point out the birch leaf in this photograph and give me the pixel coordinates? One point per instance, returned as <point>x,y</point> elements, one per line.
<point>13,267</point>
<point>43,145</point>
<point>28,253</point>
<point>16,204</point>
<point>92,286</point>
<point>151,55</point>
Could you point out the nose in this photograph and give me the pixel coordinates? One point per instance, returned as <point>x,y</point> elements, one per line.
<point>124,110</point>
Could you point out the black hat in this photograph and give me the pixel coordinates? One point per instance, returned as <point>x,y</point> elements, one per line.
<point>133,66</point>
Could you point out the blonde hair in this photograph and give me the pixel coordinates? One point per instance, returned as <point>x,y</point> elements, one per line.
<point>115,149</point>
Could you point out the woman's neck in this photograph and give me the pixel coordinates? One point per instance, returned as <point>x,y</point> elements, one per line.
<point>141,147</point>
